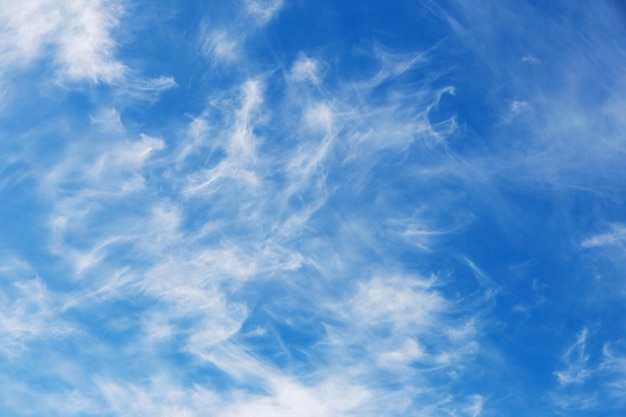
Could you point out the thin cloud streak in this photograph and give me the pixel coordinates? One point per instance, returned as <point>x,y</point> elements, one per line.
<point>576,360</point>
<point>614,237</point>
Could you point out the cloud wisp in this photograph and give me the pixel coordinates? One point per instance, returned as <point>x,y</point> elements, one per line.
<point>77,35</point>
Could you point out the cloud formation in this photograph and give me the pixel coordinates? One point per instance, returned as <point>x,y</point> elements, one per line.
<point>76,35</point>
<point>299,209</point>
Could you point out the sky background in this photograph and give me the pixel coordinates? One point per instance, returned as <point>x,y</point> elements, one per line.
<point>312,208</point>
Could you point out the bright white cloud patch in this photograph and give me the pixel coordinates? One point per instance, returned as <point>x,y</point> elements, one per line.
<point>306,69</point>
<point>77,34</point>
<point>615,236</point>
<point>263,10</point>
<point>299,208</point>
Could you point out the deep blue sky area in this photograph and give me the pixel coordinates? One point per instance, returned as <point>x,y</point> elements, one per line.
<point>312,208</point>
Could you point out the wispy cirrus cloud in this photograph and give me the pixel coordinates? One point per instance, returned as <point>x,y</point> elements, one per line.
<point>614,237</point>
<point>299,231</point>
<point>28,310</point>
<point>605,250</point>
<point>576,360</point>
<point>614,366</point>
<point>553,139</point>
<point>263,10</point>
<point>76,42</point>
<point>76,35</point>
<point>194,278</point>
<point>591,378</point>
<point>224,42</point>
<point>306,69</point>
<point>221,46</point>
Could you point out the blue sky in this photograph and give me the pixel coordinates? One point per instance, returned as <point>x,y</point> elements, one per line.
<point>312,208</point>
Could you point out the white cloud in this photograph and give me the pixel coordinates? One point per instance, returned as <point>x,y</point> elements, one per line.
<point>108,119</point>
<point>28,312</point>
<point>592,380</point>
<point>576,361</point>
<point>614,366</point>
<point>476,407</point>
<point>192,281</point>
<point>240,147</point>
<point>400,303</point>
<point>306,69</point>
<point>104,168</point>
<point>221,46</point>
<point>264,203</point>
<point>85,46</point>
<point>616,236</point>
<point>226,43</point>
<point>320,116</point>
<point>393,65</point>
<point>138,88</point>
<point>263,10</point>
<point>76,33</point>
<point>27,25</point>
<point>609,247</point>
<point>333,397</point>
